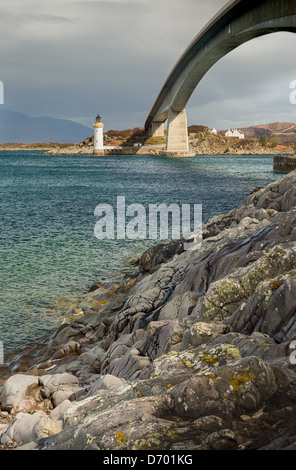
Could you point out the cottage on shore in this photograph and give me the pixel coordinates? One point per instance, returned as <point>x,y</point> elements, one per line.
<point>235,133</point>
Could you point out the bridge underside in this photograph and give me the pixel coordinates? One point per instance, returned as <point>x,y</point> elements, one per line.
<point>238,22</point>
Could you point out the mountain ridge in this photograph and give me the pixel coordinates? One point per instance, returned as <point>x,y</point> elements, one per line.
<point>19,127</point>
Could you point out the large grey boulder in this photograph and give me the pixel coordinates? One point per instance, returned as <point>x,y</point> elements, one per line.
<point>106,382</point>
<point>13,395</point>
<point>60,387</point>
<point>21,430</point>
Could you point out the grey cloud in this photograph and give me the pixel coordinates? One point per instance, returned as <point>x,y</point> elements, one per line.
<point>26,17</point>
<point>250,84</point>
<point>51,19</point>
<point>76,58</point>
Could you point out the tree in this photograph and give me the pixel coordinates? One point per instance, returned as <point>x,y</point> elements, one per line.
<point>263,140</point>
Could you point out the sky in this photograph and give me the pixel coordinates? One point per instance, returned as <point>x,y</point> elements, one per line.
<point>73,59</point>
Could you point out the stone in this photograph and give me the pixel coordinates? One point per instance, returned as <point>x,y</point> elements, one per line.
<point>155,256</point>
<point>200,333</point>
<point>60,410</point>
<point>59,387</point>
<point>222,440</point>
<point>106,382</point>
<point>29,446</point>
<point>13,394</point>
<point>93,357</point>
<point>196,355</point>
<point>180,306</point>
<point>55,382</point>
<point>3,428</point>
<point>21,430</point>
<point>46,427</point>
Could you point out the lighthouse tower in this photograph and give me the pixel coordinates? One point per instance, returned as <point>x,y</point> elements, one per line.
<point>98,136</point>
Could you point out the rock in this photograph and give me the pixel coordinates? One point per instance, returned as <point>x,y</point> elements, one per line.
<point>21,430</point>
<point>59,387</point>
<point>130,366</point>
<point>3,428</point>
<point>202,402</point>
<point>60,410</point>
<point>163,336</point>
<point>195,354</point>
<point>45,427</point>
<point>55,382</point>
<point>222,440</point>
<point>106,382</point>
<point>13,394</point>
<point>93,357</point>
<point>270,310</point>
<point>155,256</point>
<point>30,446</point>
<point>201,332</point>
<point>180,306</point>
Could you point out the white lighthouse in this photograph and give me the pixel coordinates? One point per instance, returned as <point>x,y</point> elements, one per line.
<point>98,136</point>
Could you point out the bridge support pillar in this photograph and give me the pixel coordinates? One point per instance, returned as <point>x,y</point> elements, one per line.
<point>177,135</point>
<point>156,129</point>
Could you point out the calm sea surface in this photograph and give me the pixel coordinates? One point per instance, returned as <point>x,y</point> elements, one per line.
<point>49,255</point>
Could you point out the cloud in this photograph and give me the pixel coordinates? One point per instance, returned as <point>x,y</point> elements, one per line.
<point>68,58</point>
<point>250,85</point>
<point>50,19</point>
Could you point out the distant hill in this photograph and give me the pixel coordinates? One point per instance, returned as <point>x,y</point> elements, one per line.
<point>18,127</point>
<point>280,132</point>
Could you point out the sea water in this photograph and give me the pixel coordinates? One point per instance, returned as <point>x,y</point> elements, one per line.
<point>49,255</point>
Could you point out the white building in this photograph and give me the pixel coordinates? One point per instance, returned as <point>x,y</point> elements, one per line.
<point>235,133</point>
<point>214,131</point>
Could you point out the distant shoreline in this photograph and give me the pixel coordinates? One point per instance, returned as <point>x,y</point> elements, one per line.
<point>132,151</point>
<point>278,138</point>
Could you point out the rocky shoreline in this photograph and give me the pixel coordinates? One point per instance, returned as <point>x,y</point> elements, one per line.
<point>156,149</point>
<point>203,149</point>
<point>195,351</point>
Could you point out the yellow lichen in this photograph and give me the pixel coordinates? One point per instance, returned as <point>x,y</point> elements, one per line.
<point>188,363</point>
<point>240,379</point>
<point>231,351</point>
<point>211,360</point>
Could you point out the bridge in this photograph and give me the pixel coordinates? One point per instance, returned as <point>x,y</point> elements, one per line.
<point>237,22</point>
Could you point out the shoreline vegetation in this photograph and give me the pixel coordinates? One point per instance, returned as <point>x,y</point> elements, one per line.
<point>193,351</point>
<point>272,139</point>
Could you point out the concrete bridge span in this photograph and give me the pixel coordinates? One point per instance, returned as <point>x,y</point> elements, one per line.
<point>237,22</point>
